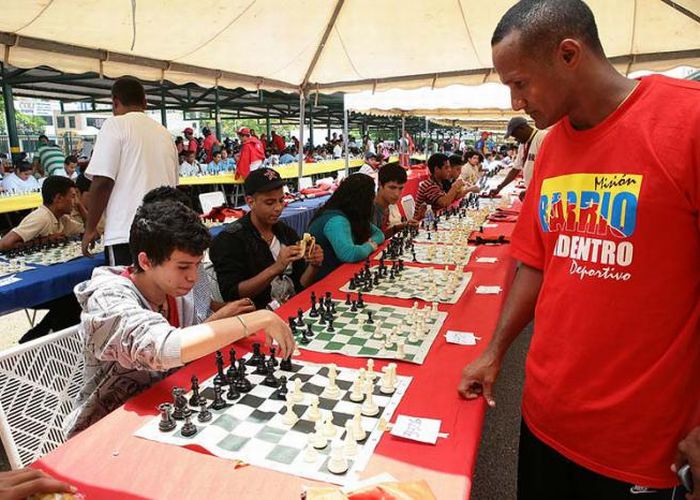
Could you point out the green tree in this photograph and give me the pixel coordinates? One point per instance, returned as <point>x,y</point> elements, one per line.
<point>26,124</point>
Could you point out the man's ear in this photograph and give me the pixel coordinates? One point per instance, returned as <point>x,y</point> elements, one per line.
<point>569,52</point>
<point>144,261</point>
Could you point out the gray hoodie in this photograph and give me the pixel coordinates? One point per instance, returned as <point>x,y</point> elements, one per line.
<point>128,345</point>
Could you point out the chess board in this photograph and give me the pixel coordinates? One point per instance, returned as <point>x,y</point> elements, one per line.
<point>451,230</point>
<point>350,339</point>
<point>457,254</point>
<point>421,283</point>
<point>12,267</point>
<point>58,254</point>
<point>251,428</point>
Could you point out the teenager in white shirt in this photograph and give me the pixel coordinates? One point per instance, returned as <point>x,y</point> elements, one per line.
<point>21,180</point>
<point>133,154</point>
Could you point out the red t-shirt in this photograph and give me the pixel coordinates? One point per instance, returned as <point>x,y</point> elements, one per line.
<point>251,152</point>
<point>278,143</point>
<point>209,142</point>
<point>611,218</point>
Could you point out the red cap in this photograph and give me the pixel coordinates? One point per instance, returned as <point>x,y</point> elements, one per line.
<point>243,131</point>
<point>188,130</point>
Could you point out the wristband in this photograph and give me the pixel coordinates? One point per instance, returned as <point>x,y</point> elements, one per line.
<point>245,327</point>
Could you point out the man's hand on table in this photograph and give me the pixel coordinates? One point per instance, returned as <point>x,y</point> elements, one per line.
<point>689,453</point>
<point>479,376</point>
<point>19,484</point>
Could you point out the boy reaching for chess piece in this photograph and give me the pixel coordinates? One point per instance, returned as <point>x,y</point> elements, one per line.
<point>139,322</point>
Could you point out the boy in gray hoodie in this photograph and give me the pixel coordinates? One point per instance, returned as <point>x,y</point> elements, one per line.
<point>138,323</point>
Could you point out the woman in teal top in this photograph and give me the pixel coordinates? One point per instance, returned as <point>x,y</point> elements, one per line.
<point>342,226</point>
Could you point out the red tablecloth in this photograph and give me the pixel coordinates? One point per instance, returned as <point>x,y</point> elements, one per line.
<point>415,175</point>
<point>107,461</point>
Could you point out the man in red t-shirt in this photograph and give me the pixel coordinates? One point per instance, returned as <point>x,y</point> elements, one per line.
<point>609,249</point>
<point>192,143</point>
<point>210,141</point>
<point>278,144</point>
<point>252,153</point>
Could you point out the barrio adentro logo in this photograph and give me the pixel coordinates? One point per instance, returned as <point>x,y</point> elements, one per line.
<point>595,215</point>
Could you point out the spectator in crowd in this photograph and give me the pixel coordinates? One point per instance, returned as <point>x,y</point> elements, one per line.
<point>217,164</point>
<point>287,157</point>
<point>210,143</point>
<point>229,162</point>
<point>191,143</point>
<point>471,170</point>
<point>133,155</point>
<point>278,144</point>
<point>431,192</point>
<point>264,141</point>
<point>343,226</point>
<point>611,377</point>
<point>258,255</point>
<point>48,156</point>
<point>252,154</point>
<point>482,145</point>
<point>21,180</point>
<point>70,168</point>
<point>179,144</point>
<point>529,139</point>
<point>139,322</point>
<point>387,216</point>
<point>371,165</point>
<point>338,150</point>
<point>51,221</point>
<point>296,142</point>
<point>369,145</point>
<point>190,166</point>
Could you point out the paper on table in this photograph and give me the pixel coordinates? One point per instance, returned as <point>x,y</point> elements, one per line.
<point>488,290</point>
<point>489,225</point>
<point>424,430</point>
<point>372,481</point>
<point>487,260</point>
<point>9,280</point>
<point>461,338</point>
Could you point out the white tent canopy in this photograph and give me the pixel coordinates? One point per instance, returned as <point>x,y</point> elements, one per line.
<point>318,45</point>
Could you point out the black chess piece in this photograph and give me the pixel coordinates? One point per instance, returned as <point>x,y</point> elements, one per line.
<point>261,367</point>
<point>305,339</point>
<point>353,284</point>
<point>179,403</point>
<point>231,372</point>
<point>218,402</point>
<point>281,393</point>
<point>391,274</point>
<point>220,377</point>
<point>204,414</point>
<point>167,422</point>
<point>353,308</point>
<point>360,300</point>
<point>196,398</point>
<point>286,363</point>
<point>429,237</point>
<point>313,312</point>
<point>188,429</point>
<point>273,359</point>
<point>321,317</point>
<point>270,379</point>
<point>330,328</point>
<point>376,279</point>
<point>370,321</point>
<point>292,320</point>
<point>232,394</point>
<point>242,383</point>
<point>253,360</point>
<point>300,317</point>
<point>347,299</point>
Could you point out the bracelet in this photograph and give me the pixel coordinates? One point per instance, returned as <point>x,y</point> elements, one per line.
<point>245,327</point>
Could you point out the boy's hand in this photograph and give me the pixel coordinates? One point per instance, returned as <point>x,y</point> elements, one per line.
<point>236,307</point>
<point>19,484</point>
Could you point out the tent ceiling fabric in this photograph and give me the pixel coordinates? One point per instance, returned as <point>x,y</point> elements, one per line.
<point>271,44</point>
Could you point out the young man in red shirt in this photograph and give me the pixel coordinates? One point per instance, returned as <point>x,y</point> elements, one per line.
<point>431,192</point>
<point>210,141</point>
<point>252,153</point>
<point>609,245</point>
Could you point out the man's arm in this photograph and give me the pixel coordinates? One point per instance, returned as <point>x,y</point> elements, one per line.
<point>510,176</point>
<point>10,240</point>
<point>448,198</point>
<point>479,376</point>
<point>100,191</point>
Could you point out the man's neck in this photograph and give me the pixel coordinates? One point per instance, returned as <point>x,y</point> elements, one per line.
<point>129,109</point>
<point>149,289</point>
<point>381,202</point>
<point>263,228</point>
<point>605,91</point>
<point>55,211</point>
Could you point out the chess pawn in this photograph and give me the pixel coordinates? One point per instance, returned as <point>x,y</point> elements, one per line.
<point>349,443</point>
<point>318,439</point>
<point>370,373</point>
<point>378,331</point>
<point>314,413</point>
<point>329,429</point>
<point>204,414</point>
<point>369,407</point>
<point>387,386</point>
<point>337,464</point>
<point>356,393</point>
<point>310,453</point>
<point>358,431</point>
<point>290,417</point>
<point>188,428</point>
<point>297,395</point>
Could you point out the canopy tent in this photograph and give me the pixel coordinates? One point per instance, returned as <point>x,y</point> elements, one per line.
<point>316,45</point>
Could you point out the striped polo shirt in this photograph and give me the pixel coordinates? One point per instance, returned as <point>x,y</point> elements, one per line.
<point>51,158</point>
<point>429,191</point>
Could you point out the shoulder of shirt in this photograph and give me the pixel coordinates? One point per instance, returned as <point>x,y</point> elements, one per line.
<point>661,81</point>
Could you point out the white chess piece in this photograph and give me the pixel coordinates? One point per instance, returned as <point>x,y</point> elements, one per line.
<point>337,464</point>
<point>310,453</point>
<point>331,391</point>
<point>370,374</point>
<point>378,331</point>
<point>349,443</point>
<point>386,387</point>
<point>356,394</point>
<point>318,439</point>
<point>358,431</point>
<point>361,323</point>
<point>400,349</point>
<point>290,417</point>
<point>314,413</point>
<point>369,407</point>
<point>329,429</point>
<point>297,395</point>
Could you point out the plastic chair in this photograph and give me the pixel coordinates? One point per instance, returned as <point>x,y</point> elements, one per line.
<point>211,200</point>
<point>39,383</point>
<point>409,206</point>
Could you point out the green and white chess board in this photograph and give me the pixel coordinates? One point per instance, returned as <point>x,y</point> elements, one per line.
<point>56,255</point>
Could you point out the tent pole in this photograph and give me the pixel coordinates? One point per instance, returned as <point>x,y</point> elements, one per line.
<point>10,119</point>
<point>217,119</point>
<point>345,138</point>
<point>163,112</point>
<point>427,137</point>
<point>302,105</point>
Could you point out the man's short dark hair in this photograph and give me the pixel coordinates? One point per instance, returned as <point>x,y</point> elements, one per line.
<point>70,159</point>
<point>42,136</point>
<point>545,23</point>
<point>456,160</point>
<point>129,91</point>
<point>53,186</point>
<point>24,166</point>
<point>162,227</point>
<point>167,193</point>
<point>392,172</point>
<point>436,160</point>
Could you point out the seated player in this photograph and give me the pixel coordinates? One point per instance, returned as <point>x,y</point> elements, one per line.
<point>52,220</point>
<point>216,164</point>
<point>139,322</point>
<point>460,170</point>
<point>257,256</point>
<point>343,225</point>
<point>21,180</point>
<point>371,165</point>
<point>190,166</point>
<point>387,217</point>
<point>70,168</point>
<point>430,191</point>
<point>228,161</point>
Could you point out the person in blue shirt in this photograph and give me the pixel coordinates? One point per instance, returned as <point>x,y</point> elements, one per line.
<point>343,225</point>
<point>287,157</point>
<point>216,164</point>
<point>227,159</point>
